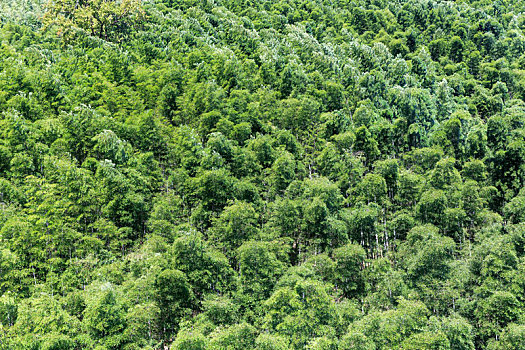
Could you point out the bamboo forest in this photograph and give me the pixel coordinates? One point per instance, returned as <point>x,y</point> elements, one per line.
<point>262,174</point>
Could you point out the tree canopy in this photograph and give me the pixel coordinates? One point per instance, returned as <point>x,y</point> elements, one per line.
<point>277,174</point>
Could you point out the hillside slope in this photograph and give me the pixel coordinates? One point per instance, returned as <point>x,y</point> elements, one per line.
<point>262,174</point>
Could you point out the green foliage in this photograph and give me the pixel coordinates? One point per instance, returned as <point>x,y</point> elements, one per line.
<point>259,268</point>
<point>100,17</point>
<point>189,341</point>
<point>174,296</point>
<point>236,337</point>
<point>262,174</point>
<point>349,260</point>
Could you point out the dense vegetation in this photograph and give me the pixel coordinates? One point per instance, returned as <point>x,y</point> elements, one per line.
<point>274,174</point>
